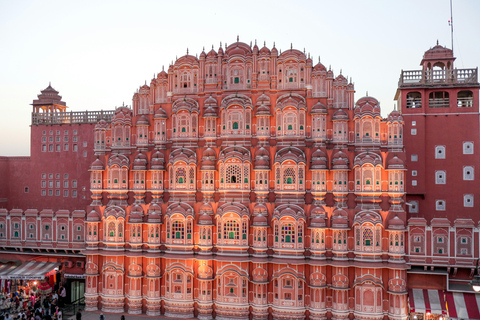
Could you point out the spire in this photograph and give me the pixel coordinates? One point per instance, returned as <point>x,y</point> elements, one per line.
<point>237,38</point>
<point>367,94</point>
<point>163,68</point>
<point>318,59</point>
<point>437,42</point>
<point>291,46</point>
<point>274,44</point>
<point>187,51</point>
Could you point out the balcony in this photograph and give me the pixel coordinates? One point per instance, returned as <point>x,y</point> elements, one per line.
<point>411,78</point>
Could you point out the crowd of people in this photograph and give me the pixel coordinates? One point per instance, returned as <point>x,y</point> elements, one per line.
<point>31,305</point>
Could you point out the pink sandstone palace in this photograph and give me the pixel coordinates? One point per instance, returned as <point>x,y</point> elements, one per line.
<point>249,183</point>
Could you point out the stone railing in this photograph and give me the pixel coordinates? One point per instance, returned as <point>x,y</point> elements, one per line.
<point>430,77</point>
<point>71,117</point>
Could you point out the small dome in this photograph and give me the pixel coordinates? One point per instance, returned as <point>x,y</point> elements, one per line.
<point>340,114</point>
<point>395,116</point>
<point>318,218</point>
<point>206,208</point>
<point>274,51</point>
<point>319,67</point>
<point>212,53</point>
<point>319,108</point>
<point>339,219</point>
<point>97,165</point>
<point>211,101</point>
<point>205,220</point>
<point>396,223</point>
<point>143,121</point>
<point>367,106</point>
<point>263,99</point>
<point>102,124</point>
<point>263,110</point>
<point>395,163</point>
<point>265,50</point>
<point>135,217</point>
<point>262,159</point>
<point>340,161</point>
<point>154,213</point>
<point>260,221</point>
<point>203,55</point>
<point>93,216</point>
<point>140,162</point>
<point>319,160</point>
<point>160,114</point>
<point>162,75</point>
<point>158,161</point>
<point>210,112</point>
<point>208,160</point>
<point>260,209</point>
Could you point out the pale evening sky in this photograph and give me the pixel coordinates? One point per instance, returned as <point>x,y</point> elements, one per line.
<point>97,53</point>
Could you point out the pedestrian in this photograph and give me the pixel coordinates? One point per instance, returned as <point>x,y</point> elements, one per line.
<point>79,314</point>
<point>122,317</point>
<point>102,317</point>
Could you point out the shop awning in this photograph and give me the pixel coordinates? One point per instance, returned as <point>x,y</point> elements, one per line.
<point>427,301</point>
<point>30,270</point>
<point>463,305</point>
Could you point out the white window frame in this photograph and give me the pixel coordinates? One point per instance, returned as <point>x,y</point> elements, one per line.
<point>440,205</point>
<point>468,147</point>
<point>471,176</point>
<point>440,152</point>
<point>440,177</point>
<point>468,200</point>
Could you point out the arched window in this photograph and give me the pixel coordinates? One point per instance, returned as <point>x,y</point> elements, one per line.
<point>414,100</point>
<point>111,229</point>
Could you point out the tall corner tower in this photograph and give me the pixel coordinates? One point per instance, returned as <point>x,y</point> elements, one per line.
<point>440,106</point>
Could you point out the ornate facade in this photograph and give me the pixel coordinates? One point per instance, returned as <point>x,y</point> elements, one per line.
<point>247,182</point>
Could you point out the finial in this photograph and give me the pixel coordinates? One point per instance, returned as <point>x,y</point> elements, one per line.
<point>318,59</point>
<point>350,79</point>
<point>367,93</point>
<point>212,46</point>
<point>309,55</point>
<point>395,106</point>
<point>220,43</point>
<point>187,51</point>
<point>255,41</point>
<point>437,42</point>
<point>203,49</point>
<point>303,50</point>
<point>250,43</point>
<point>145,82</point>
<point>163,68</point>
<point>49,83</point>
<point>176,57</point>
<point>274,44</point>
<point>291,46</point>
<point>226,45</point>
<point>237,38</point>
<point>340,71</point>
<point>329,67</point>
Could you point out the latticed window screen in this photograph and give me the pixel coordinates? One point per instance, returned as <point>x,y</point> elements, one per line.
<point>191,174</point>
<point>120,229</point>
<point>180,175</point>
<point>233,174</point>
<point>178,230</point>
<point>290,121</point>
<point>377,237</point>
<point>357,235</point>
<point>231,230</point>
<point>244,230</point>
<point>300,175</point>
<point>288,233</point>
<point>289,176</point>
<point>111,229</point>
<point>246,174</point>
<point>278,175</point>
<point>189,230</point>
<point>367,237</point>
